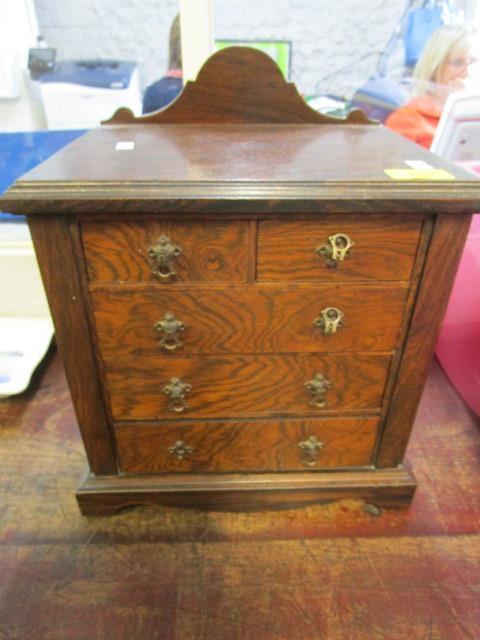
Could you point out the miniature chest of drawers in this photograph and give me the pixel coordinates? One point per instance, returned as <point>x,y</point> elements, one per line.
<point>246,303</point>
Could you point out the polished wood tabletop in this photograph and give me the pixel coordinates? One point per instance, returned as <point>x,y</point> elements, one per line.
<point>254,153</point>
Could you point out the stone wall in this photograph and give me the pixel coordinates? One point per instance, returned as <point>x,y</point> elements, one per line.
<point>335,43</point>
<point>131,30</point>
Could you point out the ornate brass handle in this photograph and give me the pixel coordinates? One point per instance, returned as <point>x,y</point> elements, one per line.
<point>329,321</point>
<point>337,249</point>
<point>318,387</point>
<point>162,255</point>
<point>170,326</point>
<point>180,450</point>
<point>176,390</point>
<point>310,448</point>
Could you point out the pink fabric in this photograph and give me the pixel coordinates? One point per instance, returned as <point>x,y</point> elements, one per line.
<point>458,347</point>
<point>174,73</point>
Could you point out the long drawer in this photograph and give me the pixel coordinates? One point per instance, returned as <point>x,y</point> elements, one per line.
<point>269,445</point>
<point>141,388</point>
<point>247,320</point>
<point>381,249</point>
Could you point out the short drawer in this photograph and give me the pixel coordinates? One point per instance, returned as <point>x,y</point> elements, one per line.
<point>301,251</point>
<point>165,252</point>
<point>273,445</point>
<point>244,385</point>
<point>156,320</point>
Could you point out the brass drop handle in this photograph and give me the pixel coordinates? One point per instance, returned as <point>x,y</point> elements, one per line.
<point>180,450</point>
<point>169,326</point>
<point>175,389</point>
<point>310,449</point>
<point>329,321</point>
<point>318,387</point>
<point>336,250</point>
<point>162,255</point>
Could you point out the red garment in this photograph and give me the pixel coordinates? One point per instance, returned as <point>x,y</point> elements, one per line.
<point>416,120</point>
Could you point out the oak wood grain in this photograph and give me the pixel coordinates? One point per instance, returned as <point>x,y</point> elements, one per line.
<point>260,319</point>
<point>420,258</point>
<point>243,385</point>
<point>234,492</point>
<point>245,446</point>
<point>241,98</point>
<point>62,282</point>
<point>443,256</point>
<point>383,250</point>
<point>118,252</point>
<point>111,197</point>
<point>237,169</point>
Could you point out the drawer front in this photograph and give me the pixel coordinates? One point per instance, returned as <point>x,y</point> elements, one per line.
<point>294,251</point>
<point>118,252</point>
<point>240,320</point>
<point>244,385</point>
<point>272,445</point>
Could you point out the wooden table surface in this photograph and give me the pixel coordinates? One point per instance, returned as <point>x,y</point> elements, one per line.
<point>326,571</point>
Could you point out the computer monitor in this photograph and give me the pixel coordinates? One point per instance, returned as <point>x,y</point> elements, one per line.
<point>457,137</point>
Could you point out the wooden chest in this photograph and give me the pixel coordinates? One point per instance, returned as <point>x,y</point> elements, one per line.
<point>245,302</point>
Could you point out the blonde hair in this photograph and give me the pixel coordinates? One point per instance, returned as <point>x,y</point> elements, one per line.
<point>445,41</point>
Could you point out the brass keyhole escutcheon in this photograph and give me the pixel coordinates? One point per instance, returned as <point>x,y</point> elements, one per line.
<point>318,387</point>
<point>336,250</point>
<point>180,450</point>
<point>170,327</point>
<point>175,389</point>
<point>329,321</point>
<point>162,256</point>
<point>310,447</point>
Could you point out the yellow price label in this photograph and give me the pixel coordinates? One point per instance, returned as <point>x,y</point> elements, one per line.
<point>419,174</point>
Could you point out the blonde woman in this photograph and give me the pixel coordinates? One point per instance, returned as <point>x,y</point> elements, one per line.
<point>442,69</point>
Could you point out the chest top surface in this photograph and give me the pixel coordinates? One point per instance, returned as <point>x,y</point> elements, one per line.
<point>172,165</point>
<point>235,153</point>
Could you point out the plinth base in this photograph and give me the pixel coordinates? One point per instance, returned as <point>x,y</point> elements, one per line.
<point>103,495</point>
